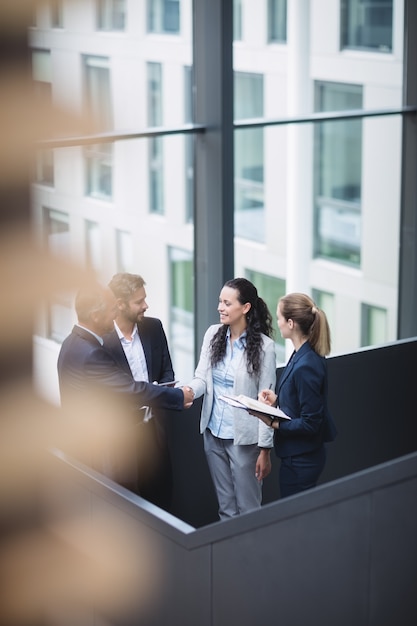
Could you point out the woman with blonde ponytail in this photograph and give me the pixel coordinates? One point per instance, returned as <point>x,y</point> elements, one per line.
<point>301,393</point>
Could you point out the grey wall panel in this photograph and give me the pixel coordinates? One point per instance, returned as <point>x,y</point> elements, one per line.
<point>344,553</point>
<point>183,594</point>
<point>393,553</point>
<point>372,397</point>
<point>310,569</point>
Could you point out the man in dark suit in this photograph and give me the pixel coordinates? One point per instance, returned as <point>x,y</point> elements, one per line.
<point>94,387</point>
<point>139,345</point>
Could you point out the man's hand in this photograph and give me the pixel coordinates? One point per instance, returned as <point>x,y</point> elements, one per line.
<point>188,396</point>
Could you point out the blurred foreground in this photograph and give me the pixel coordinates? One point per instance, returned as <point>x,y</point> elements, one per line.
<point>57,563</point>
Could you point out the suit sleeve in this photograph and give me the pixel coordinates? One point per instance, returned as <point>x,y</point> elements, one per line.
<point>307,402</point>
<point>101,369</point>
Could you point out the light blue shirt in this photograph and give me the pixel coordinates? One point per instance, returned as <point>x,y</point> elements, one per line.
<point>134,353</point>
<point>221,419</point>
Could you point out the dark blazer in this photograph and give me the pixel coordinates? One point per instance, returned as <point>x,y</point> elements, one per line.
<point>85,365</point>
<point>157,485</point>
<point>302,395</point>
<point>155,347</point>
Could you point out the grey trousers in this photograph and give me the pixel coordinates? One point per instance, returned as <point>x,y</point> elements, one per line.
<point>232,470</point>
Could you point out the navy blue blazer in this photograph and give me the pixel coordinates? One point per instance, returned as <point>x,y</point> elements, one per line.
<point>302,395</point>
<point>84,366</point>
<point>155,347</point>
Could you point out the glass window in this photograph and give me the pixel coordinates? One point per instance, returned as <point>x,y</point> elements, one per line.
<point>338,175</point>
<point>374,329</point>
<point>164,16</point>
<point>325,301</point>
<point>97,91</point>
<point>57,232</point>
<point>99,170</point>
<point>270,289</point>
<point>42,78</point>
<point>249,158</point>
<point>99,157</point>
<point>57,13</point>
<point>124,251</point>
<point>182,312</point>
<point>111,14</point>
<point>156,196</point>
<point>189,147</point>
<point>237,20</point>
<point>366,24</point>
<point>57,241</point>
<point>277,21</point>
<point>33,15</point>
<point>44,167</point>
<point>92,245</point>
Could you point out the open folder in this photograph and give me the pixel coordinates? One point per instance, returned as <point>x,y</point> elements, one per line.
<point>244,402</point>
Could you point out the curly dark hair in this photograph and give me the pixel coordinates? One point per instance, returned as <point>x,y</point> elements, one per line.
<point>258,321</point>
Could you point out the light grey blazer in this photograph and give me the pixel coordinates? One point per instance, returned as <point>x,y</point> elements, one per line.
<point>248,429</point>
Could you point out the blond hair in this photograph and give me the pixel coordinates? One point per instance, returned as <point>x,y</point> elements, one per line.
<point>311,320</point>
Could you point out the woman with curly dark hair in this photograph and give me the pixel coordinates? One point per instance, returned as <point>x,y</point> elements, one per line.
<point>237,357</point>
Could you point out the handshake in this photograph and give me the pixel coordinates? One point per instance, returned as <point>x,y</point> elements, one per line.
<point>188,396</point>
<point>187,391</point>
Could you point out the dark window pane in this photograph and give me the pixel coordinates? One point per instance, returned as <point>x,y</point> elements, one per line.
<point>366,24</point>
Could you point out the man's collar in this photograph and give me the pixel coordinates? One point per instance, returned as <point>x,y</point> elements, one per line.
<point>119,332</point>
<point>99,339</point>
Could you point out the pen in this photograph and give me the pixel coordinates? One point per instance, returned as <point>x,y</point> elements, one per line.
<point>266,395</point>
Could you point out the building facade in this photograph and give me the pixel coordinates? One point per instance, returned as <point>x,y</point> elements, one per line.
<point>316,203</point>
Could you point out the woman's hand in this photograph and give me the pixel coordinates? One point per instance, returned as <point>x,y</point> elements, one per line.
<point>263,464</point>
<point>268,397</point>
<point>266,419</point>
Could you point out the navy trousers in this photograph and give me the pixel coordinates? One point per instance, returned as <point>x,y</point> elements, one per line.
<point>301,472</point>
